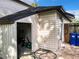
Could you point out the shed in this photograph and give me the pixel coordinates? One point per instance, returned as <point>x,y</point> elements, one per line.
<point>41,26</point>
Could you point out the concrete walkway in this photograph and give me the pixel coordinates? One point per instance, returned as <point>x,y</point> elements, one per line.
<point>65,52</point>
<point>68,52</point>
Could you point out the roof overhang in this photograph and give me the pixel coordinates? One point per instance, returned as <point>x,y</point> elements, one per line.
<point>23,3</point>
<point>69,15</point>
<point>31,11</point>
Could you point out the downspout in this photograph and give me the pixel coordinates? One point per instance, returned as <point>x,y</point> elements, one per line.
<point>62,29</point>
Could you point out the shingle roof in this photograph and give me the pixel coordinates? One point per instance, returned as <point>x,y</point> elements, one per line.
<point>23,3</point>
<point>31,11</point>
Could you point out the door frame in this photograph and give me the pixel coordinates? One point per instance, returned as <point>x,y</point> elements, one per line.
<point>16,35</point>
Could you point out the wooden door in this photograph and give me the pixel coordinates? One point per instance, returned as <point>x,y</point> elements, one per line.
<point>66,33</point>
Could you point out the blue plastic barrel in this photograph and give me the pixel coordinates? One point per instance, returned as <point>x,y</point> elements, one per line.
<point>77,41</point>
<point>73,39</point>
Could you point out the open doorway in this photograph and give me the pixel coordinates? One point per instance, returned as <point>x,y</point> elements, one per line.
<point>23,38</point>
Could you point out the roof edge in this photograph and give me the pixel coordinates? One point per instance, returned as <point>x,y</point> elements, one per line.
<point>31,11</point>
<point>23,3</point>
<point>66,14</point>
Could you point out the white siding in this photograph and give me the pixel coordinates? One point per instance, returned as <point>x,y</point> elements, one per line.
<point>9,37</point>
<point>28,1</point>
<point>65,20</point>
<point>9,44</point>
<point>49,31</point>
<point>34,32</point>
<point>8,34</point>
<point>9,7</point>
<point>33,20</point>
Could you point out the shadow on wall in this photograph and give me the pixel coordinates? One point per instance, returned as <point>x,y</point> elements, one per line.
<point>11,50</point>
<point>8,41</point>
<point>47,32</point>
<point>11,53</point>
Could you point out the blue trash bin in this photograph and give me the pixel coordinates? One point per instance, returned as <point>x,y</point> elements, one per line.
<point>77,41</point>
<point>73,38</point>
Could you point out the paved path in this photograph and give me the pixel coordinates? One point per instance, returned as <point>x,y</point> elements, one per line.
<point>66,52</point>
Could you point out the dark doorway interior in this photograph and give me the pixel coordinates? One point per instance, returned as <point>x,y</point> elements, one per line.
<point>23,38</point>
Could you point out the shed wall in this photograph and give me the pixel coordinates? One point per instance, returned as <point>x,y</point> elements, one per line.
<point>33,20</point>
<point>49,32</point>
<point>8,34</point>
<point>8,38</point>
<point>30,2</point>
<point>8,7</point>
<point>64,20</point>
